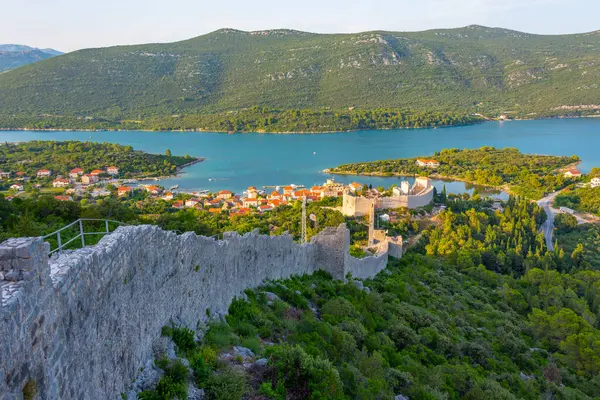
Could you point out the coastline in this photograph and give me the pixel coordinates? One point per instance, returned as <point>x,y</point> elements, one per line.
<point>439,177</point>
<point>178,170</point>
<point>506,188</point>
<point>4,129</point>
<point>481,121</point>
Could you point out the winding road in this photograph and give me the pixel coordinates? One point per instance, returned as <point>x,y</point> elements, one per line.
<point>548,226</point>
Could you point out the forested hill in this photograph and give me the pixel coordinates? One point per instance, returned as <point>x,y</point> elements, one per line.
<point>467,70</point>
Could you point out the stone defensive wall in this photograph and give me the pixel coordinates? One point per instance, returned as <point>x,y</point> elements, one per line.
<point>358,206</point>
<point>81,325</point>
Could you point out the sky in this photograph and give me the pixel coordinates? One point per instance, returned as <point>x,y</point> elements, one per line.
<point>69,25</point>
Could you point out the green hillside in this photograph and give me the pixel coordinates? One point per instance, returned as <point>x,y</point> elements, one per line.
<point>467,70</point>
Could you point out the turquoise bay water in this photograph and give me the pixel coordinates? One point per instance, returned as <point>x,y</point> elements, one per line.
<point>237,161</point>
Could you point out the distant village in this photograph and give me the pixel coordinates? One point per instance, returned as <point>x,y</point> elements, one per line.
<point>99,183</point>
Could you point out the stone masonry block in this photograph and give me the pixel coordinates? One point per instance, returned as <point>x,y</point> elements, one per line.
<point>5,265</point>
<point>6,253</point>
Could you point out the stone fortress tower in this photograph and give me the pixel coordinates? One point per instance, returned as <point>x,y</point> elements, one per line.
<point>418,195</point>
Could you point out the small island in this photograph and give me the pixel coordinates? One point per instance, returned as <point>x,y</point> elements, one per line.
<point>529,175</point>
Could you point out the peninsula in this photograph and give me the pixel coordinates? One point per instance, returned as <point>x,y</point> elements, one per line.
<point>529,175</point>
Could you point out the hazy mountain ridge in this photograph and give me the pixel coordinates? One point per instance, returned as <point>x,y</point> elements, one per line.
<point>16,55</point>
<point>470,69</point>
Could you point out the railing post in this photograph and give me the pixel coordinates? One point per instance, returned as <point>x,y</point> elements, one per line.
<point>81,233</point>
<point>106,221</point>
<point>59,243</point>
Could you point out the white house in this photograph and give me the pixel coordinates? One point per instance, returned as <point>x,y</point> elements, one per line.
<point>44,172</point>
<point>355,186</point>
<point>17,186</point>
<point>76,173</point>
<point>251,202</point>
<point>567,210</point>
<point>4,174</point>
<point>422,162</point>
<point>89,179</point>
<point>573,173</point>
<point>112,170</point>
<point>595,182</point>
<point>192,202</point>
<point>100,192</point>
<point>60,182</point>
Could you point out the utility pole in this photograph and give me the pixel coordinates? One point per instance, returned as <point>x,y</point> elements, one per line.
<point>304,237</point>
<point>372,224</point>
<point>313,217</point>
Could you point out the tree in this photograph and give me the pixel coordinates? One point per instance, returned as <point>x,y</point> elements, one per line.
<point>168,152</point>
<point>577,256</point>
<point>565,222</point>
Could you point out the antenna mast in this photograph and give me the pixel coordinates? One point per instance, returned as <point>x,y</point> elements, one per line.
<point>304,238</point>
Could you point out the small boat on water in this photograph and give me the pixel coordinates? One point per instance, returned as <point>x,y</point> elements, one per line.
<point>174,187</point>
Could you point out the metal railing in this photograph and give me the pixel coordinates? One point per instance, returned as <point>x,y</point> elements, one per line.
<point>81,235</point>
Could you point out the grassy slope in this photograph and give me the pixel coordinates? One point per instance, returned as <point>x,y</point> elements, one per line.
<point>453,69</point>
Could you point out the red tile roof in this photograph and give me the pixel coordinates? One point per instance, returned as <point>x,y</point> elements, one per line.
<point>63,198</point>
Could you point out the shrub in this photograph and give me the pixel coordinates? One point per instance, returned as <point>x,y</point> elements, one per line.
<point>210,355</point>
<point>266,389</point>
<point>246,329</point>
<point>253,344</point>
<point>339,308</point>
<point>220,335</point>
<point>202,361</point>
<point>228,384</point>
<point>177,371</point>
<point>29,390</point>
<point>200,368</point>
<point>403,335</point>
<point>172,385</point>
<point>167,389</point>
<point>304,376</point>
<point>184,338</point>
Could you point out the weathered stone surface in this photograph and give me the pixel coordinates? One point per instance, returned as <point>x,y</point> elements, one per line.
<point>261,362</point>
<point>243,352</point>
<point>13,275</point>
<point>194,393</point>
<point>271,296</point>
<point>82,325</point>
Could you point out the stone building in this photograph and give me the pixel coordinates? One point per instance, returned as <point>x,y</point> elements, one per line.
<point>418,195</point>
